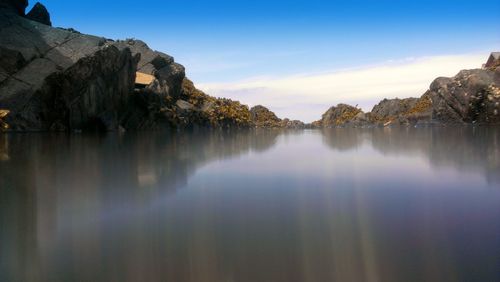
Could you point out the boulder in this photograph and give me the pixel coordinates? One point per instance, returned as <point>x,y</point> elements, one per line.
<point>39,14</point>
<point>263,117</point>
<point>472,96</point>
<point>342,115</point>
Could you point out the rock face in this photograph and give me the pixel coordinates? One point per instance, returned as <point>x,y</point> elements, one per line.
<point>59,79</point>
<point>407,111</point>
<point>56,79</point>
<point>473,96</point>
<point>39,14</point>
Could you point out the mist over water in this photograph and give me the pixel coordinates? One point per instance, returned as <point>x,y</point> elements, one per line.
<point>412,204</point>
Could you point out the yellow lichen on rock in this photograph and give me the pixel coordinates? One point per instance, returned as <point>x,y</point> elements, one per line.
<point>3,124</point>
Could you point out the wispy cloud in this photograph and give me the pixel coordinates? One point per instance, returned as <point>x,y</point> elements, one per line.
<point>307,96</point>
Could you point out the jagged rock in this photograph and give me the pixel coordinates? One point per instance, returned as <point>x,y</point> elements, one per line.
<point>170,75</point>
<point>16,6</point>
<point>53,78</point>
<point>91,95</point>
<point>473,96</point>
<point>57,79</point>
<point>39,14</point>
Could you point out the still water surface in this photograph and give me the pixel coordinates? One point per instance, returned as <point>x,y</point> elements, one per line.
<point>336,205</point>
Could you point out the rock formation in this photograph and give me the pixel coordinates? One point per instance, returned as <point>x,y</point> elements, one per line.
<point>39,14</point>
<point>262,117</point>
<point>471,97</point>
<point>342,115</point>
<point>59,79</point>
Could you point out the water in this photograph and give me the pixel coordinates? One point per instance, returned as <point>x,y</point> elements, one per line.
<point>339,205</point>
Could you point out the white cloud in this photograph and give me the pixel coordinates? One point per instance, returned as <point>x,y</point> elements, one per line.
<point>307,96</point>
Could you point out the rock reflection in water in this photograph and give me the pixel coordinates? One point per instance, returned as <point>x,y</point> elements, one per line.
<point>251,206</point>
<point>466,148</point>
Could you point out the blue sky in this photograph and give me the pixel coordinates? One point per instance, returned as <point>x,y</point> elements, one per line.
<point>230,42</point>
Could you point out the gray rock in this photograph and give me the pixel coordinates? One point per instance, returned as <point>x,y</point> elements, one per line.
<point>472,96</point>
<point>184,105</point>
<point>387,109</point>
<point>39,14</point>
<point>341,115</point>
<point>56,79</point>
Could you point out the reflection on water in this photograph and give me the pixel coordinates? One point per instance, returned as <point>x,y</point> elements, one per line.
<point>343,205</point>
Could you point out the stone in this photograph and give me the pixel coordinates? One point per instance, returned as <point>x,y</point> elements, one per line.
<point>39,14</point>
<point>469,97</point>
<point>340,116</point>
<point>183,105</point>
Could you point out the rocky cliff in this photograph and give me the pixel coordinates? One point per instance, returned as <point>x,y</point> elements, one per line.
<point>60,80</point>
<point>471,97</point>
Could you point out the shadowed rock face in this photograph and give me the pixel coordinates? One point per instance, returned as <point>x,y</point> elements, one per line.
<point>54,79</point>
<point>39,14</point>
<point>16,6</point>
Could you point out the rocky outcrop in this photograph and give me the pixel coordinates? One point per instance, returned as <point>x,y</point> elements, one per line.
<point>39,14</point>
<point>54,79</point>
<point>342,115</point>
<point>59,79</point>
<point>262,117</point>
<point>409,111</point>
<point>473,96</point>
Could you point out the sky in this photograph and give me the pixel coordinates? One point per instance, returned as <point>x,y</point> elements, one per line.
<point>301,57</point>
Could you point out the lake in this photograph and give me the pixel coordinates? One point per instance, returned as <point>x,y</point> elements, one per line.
<point>410,204</point>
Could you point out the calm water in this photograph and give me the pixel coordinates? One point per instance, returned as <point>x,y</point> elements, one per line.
<point>340,205</point>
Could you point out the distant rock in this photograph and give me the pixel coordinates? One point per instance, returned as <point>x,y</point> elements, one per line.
<point>262,117</point>
<point>39,14</point>
<point>342,115</point>
<point>471,97</point>
<point>292,124</point>
<point>397,111</point>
